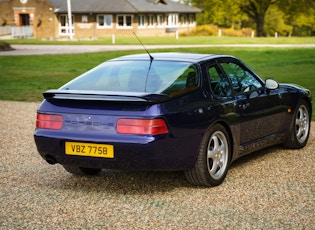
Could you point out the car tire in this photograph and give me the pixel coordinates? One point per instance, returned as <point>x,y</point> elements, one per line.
<point>81,171</point>
<point>213,159</point>
<point>300,127</point>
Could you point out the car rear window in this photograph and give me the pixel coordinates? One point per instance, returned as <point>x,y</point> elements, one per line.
<point>158,77</point>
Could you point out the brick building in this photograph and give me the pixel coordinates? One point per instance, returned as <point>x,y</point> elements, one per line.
<point>96,18</point>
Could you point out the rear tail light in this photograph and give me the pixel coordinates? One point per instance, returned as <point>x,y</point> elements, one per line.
<point>141,126</point>
<point>49,121</point>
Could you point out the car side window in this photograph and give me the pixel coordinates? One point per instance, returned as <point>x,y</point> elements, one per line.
<point>186,80</point>
<point>218,83</point>
<point>241,79</point>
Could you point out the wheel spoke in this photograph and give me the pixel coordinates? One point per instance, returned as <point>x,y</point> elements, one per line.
<point>298,128</point>
<point>221,163</point>
<point>211,154</point>
<point>221,148</point>
<point>221,155</point>
<point>215,142</point>
<point>298,121</point>
<point>299,134</point>
<point>213,148</point>
<point>214,167</point>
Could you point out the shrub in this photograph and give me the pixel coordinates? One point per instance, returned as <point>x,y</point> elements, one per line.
<point>203,30</point>
<point>213,30</point>
<point>4,46</point>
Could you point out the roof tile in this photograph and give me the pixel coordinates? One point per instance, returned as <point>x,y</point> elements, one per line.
<point>123,6</point>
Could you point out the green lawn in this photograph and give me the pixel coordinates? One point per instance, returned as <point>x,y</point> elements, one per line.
<point>24,78</point>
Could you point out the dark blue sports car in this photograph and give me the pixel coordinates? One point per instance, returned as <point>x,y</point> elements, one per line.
<point>169,111</point>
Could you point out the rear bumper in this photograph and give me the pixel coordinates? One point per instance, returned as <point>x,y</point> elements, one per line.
<point>164,153</point>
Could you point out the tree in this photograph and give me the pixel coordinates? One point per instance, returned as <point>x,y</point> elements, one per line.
<point>256,10</point>
<point>223,13</point>
<point>233,14</point>
<point>211,11</point>
<point>275,22</point>
<point>299,14</point>
<point>286,17</point>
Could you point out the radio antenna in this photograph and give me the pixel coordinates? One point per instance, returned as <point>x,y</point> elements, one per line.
<point>151,58</point>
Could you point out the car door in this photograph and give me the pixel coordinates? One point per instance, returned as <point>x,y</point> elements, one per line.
<point>223,100</point>
<point>259,109</point>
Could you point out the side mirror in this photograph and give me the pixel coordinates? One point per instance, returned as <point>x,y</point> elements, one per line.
<point>271,84</point>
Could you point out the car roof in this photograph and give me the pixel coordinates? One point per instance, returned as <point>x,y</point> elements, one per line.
<point>172,56</point>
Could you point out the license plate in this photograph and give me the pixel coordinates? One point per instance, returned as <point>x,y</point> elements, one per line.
<point>89,149</point>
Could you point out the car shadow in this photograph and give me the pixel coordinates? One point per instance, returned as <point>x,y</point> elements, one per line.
<point>123,182</point>
<point>255,156</point>
<point>141,182</point>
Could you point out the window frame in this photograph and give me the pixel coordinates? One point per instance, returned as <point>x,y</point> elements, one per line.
<point>141,21</point>
<point>125,21</point>
<point>184,20</point>
<point>104,18</point>
<point>151,21</point>
<point>84,19</point>
<point>172,20</point>
<point>160,20</point>
<point>65,26</point>
<point>191,20</point>
<point>244,68</point>
<point>223,78</point>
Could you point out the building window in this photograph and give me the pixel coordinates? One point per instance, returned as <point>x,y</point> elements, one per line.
<point>104,21</point>
<point>191,20</point>
<point>24,19</point>
<point>183,20</point>
<point>84,18</point>
<point>160,20</point>
<point>172,20</point>
<point>151,21</point>
<point>124,21</point>
<point>141,21</point>
<point>64,28</point>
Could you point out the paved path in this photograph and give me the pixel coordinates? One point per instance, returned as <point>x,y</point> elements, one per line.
<point>68,49</point>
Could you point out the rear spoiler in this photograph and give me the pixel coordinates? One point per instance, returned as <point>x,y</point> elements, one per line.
<point>103,96</point>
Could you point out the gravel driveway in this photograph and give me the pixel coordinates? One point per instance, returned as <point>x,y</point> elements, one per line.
<point>272,189</point>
